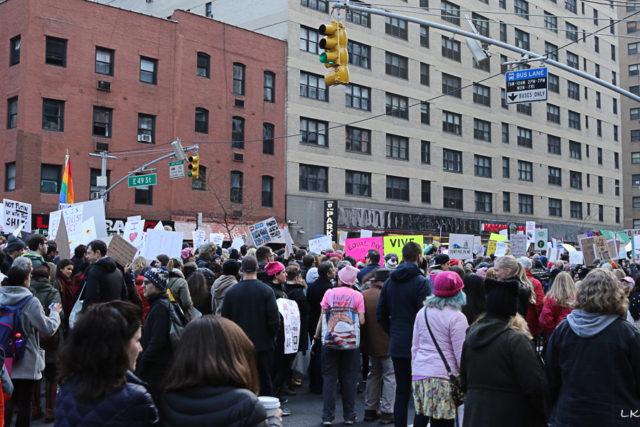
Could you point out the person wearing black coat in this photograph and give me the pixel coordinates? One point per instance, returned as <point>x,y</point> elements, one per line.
<point>401,298</point>
<point>297,292</point>
<point>104,282</point>
<point>156,356</point>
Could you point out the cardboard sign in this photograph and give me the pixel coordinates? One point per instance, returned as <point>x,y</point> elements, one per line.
<point>133,230</point>
<point>320,244</point>
<point>575,257</point>
<point>588,250</point>
<point>358,248</point>
<point>291,323</point>
<point>216,238</point>
<point>265,231</point>
<point>14,214</point>
<point>602,249</point>
<point>501,249</point>
<point>519,245</point>
<point>198,237</point>
<point>162,242</point>
<point>541,239</point>
<point>62,237</point>
<point>531,229</point>
<point>121,250</point>
<point>287,239</point>
<point>394,244</point>
<point>460,246</point>
<point>613,249</point>
<point>73,218</point>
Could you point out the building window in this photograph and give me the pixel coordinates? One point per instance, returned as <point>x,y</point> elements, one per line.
<point>12,112</point>
<point>359,18</point>
<point>450,49</point>
<point>573,60</point>
<point>397,188</point>
<point>148,70</point>
<point>397,147</point>
<point>312,86</point>
<point>506,201</point>
<point>553,144</point>
<point>319,5</point>
<point>635,180</point>
<point>576,210</point>
<point>524,137</point>
<point>596,44</point>
<point>503,61</point>
<point>550,22</point>
<point>451,160</point>
<point>633,48</point>
<point>600,185</point>
<point>268,146</point>
<point>632,27</point>
<point>524,108</point>
<point>506,168</point>
<point>481,23</point>
<point>599,127</point>
<point>573,90</point>
<point>102,118</point>
<point>553,83</point>
<point>451,85</point>
<point>483,202</point>
<point>238,78</point>
<point>236,187</point>
<point>555,176</point>
<point>503,32</point>
<point>599,156</point>
<point>314,132</point>
<point>203,65</point>
<point>397,106</point>
<point>147,127</point>
<point>267,191</point>
<point>482,166</point>
<point>555,207</point>
<point>451,122</point>
<point>617,187</point>
<point>313,178</point>
<point>425,117</point>
<point>616,160</point>
<point>522,39</point>
<point>575,150</point>
<point>484,65</point>
<point>634,113</point>
<point>50,177</point>
<point>200,184</point>
<point>397,66</point>
<point>15,51</point>
<point>615,106</point>
<point>571,5</point>
<point>636,204</point>
<point>56,52</point>
<point>574,120</point>
<point>208,12</point>
<point>525,204</point>
<point>450,12</point>
<point>551,50</point>
<point>237,132</point>
<point>396,28</point>
<point>358,183</point>
<point>575,180</point>
<point>426,191</point>
<point>482,130</point>
<point>572,32</point>
<point>521,7</point>
<point>598,100</point>
<point>202,120</point>
<point>359,54</point>
<point>613,78</point>
<point>505,133</point>
<point>553,113</point>
<point>269,86</point>
<point>525,171</point>
<point>425,152</point>
<point>358,97</point>
<point>308,40</point>
<point>358,140</point>
<point>424,74</point>
<point>452,198</point>
<point>104,61</point>
<point>144,195</point>
<point>53,115</point>
<point>10,176</point>
<point>635,136</point>
<point>503,99</point>
<point>635,158</point>
<point>482,95</point>
<point>600,213</point>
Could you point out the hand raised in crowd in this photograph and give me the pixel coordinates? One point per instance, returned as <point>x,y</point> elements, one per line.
<point>127,268</point>
<point>57,308</point>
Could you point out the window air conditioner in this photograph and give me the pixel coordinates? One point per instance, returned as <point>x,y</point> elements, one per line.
<point>106,86</point>
<point>95,195</point>
<point>144,138</point>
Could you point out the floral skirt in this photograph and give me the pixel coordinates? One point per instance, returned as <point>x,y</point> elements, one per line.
<point>432,397</point>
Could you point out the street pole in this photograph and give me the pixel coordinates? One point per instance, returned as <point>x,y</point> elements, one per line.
<point>103,173</point>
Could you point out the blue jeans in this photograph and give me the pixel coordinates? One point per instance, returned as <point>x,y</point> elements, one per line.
<point>402,368</point>
<point>346,365</point>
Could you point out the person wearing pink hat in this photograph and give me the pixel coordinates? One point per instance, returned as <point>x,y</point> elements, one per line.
<point>187,255</point>
<point>438,335</point>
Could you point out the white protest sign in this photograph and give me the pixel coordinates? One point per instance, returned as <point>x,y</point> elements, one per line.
<point>237,243</point>
<point>553,255</point>
<point>72,218</point>
<point>291,322</point>
<point>84,234</point>
<point>519,245</point>
<point>461,246</point>
<point>501,249</point>
<point>63,206</point>
<point>504,232</point>
<point>554,243</point>
<point>575,257</point>
<point>541,239</point>
<point>133,230</point>
<point>477,245</point>
<point>265,231</point>
<point>343,237</point>
<point>287,239</point>
<point>134,218</point>
<point>143,240</point>
<point>198,238</point>
<point>613,249</point>
<point>162,242</point>
<point>95,209</point>
<point>320,244</point>
<point>159,226</point>
<point>366,233</point>
<point>531,229</point>
<point>216,238</point>
<point>13,214</point>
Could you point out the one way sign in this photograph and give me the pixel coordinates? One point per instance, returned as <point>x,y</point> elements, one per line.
<point>527,86</point>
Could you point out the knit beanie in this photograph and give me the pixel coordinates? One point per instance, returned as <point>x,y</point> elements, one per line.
<point>230,268</point>
<point>159,277</point>
<point>187,252</point>
<point>502,297</point>
<point>343,264</point>
<point>447,284</point>
<point>13,244</point>
<point>312,275</point>
<point>274,267</point>
<point>348,275</point>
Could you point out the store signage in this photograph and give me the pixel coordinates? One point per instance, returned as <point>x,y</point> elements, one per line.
<point>331,219</point>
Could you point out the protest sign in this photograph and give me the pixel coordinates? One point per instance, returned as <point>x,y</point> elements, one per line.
<point>342,237</point>
<point>121,250</point>
<point>134,218</point>
<point>553,255</point>
<point>265,231</point>
<point>216,238</point>
<point>133,230</point>
<point>73,217</point>
<point>497,237</point>
<point>318,245</point>
<point>62,237</point>
<point>394,244</point>
<point>14,214</point>
<point>95,209</point>
<point>588,250</point>
<point>142,242</point>
<point>366,233</point>
<point>162,242</point>
<point>159,226</point>
<point>501,249</point>
<point>504,233</point>
<point>460,246</point>
<point>198,237</point>
<point>358,248</point>
<point>287,239</point>
<point>491,247</point>
<point>575,257</point>
<point>541,239</point>
<point>519,245</point>
<point>636,246</point>
<point>291,323</point>
<point>237,243</point>
<point>531,229</point>
<point>84,234</point>
<point>613,249</point>
<point>477,245</point>
<point>602,249</point>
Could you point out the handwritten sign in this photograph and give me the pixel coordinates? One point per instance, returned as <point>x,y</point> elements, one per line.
<point>461,246</point>
<point>587,244</point>
<point>498,237</point>
<point>531,230</point>
<point>15,214</point>
<point>198,237</point>
<point>358,248</point>
<point>491,247</point>
<point>291,322</point>
<point>613,249</point>
<point>602,249</point>
<point>501,249</point>
<point>575,257</point>
<point>162,242</point>
<point>216,238</point>
<point>320,244</point>
<point>477,245</point>
<point>73,217</point>
<point>394,244</point>
<point>519,245</point>
<point>85,234</point>
<point>121,250</point>
<point>133,231</point>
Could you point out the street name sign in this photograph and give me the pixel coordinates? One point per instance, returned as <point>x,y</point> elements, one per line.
<point>176,169</point>
<point>526,86</point>
<point>142,180</point>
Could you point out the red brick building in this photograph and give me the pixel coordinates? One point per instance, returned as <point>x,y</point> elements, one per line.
<point>83,76</point>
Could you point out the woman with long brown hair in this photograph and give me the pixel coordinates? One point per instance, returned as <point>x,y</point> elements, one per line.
<point>213,380</point>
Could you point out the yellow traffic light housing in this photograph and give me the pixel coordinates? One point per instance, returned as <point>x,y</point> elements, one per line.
<point>336,56</point>
<point>194,167</point>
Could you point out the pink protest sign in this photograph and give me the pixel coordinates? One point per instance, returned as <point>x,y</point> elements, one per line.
<point>358,248</point>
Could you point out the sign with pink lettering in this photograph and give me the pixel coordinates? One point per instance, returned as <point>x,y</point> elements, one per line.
<point>358,248</point>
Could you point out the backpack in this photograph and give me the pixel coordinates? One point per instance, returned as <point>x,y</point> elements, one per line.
<point>10,326</point>
<point>177,320</point>
<point>341,326</point>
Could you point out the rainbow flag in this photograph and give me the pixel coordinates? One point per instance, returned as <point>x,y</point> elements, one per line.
<point>66,191</point>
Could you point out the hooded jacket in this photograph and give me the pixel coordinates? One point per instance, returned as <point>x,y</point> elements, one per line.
<point>104,282</point>
<point>400,300</point>
<point>219,289</point>
<point>592,372</point>
<point>37,260</point>
<point>502,376</point>
<point>33,320</point>
<point>156,356</point>
<point>47,294</point>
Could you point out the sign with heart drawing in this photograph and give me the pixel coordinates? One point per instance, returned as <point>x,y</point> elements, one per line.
<point>133,232</point>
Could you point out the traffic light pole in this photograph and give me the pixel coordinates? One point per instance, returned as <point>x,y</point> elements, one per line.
<point>534,56</point>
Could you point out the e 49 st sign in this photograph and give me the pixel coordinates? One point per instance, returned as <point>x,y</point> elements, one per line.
<point>527,86</point>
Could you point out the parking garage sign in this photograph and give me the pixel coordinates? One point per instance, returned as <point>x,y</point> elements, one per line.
<point>527,86</point>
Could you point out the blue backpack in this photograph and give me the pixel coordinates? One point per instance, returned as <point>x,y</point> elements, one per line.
<point>10,325</point>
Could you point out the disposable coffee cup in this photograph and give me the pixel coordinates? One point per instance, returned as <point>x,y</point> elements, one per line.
<point>271,404</point>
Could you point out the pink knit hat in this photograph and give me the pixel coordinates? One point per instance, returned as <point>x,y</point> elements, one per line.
<point>447,284</point>
<point>348,275</point>
<point>187,252</point>
<point>274,267</point>
<point>482,272</point>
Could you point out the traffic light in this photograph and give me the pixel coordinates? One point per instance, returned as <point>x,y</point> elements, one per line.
<point>336,56</point>
<point>194,167</point>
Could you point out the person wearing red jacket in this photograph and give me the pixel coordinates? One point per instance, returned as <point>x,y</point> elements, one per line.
<point>558,302</point>
<point>534,309</point>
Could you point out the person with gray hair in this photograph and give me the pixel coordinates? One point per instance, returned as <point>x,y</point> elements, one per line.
<point>526,262</point>
<point>205,254</point>
<point>23,262</point>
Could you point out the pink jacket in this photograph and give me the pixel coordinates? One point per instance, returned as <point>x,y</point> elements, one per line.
<point>449,326</point>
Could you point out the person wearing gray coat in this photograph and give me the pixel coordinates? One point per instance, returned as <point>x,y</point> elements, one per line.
<point>25,372</point>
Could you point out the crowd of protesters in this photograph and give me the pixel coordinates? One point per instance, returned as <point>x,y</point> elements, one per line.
<point>199,339</point>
